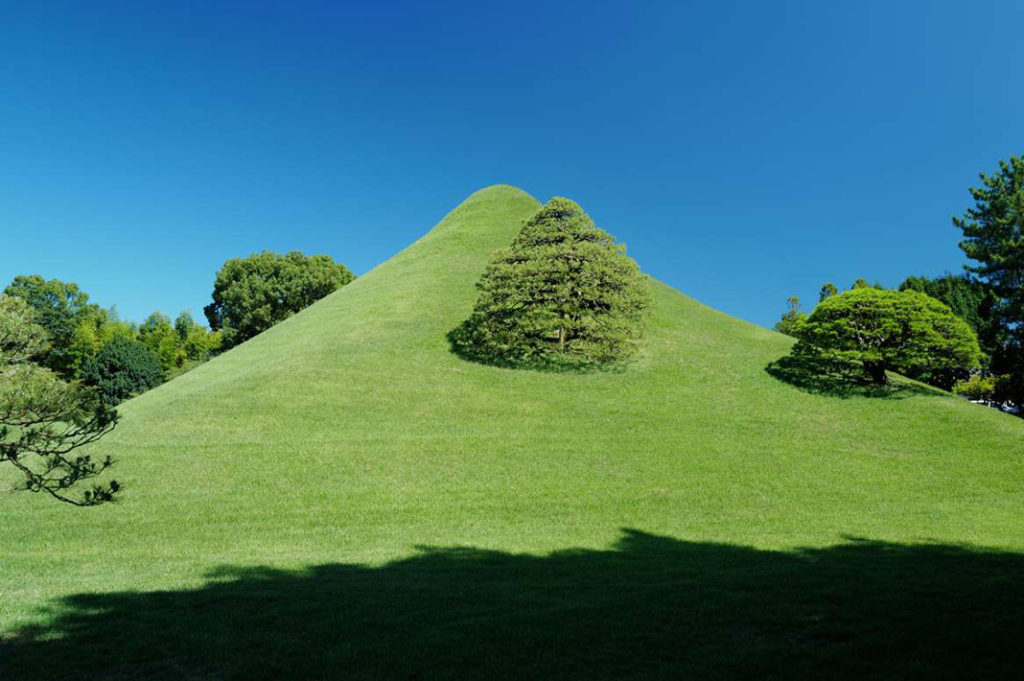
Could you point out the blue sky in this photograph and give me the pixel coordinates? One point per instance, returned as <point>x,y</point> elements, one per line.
<point>745,151</point>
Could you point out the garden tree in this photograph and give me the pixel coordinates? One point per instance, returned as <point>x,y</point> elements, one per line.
<point>863,283</point>
<point>123,368</point>
<point>163,339</point>
<point>880,330</point>
<point>252,294</point>
<point>969,299</point>
<point>993,231</point>
<point>93,332</point>
<point>45,420</point>
<point>563,295</point>
<point>61,307</point>
<point>197,342</point>
<point>792,319</point>
<point>827,291</point>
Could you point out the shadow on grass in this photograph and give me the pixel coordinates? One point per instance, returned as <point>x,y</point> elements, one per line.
<point>838,380</point>
<point>651,607</point>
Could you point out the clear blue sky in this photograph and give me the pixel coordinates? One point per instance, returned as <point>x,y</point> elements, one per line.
<point>745,151</point>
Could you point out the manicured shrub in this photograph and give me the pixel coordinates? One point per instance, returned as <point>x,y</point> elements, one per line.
<point>563,295</point>
<point>883,330</point>
<point>123,368</point>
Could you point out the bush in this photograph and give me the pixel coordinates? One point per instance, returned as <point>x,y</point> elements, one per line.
<point>123,368</point>
<point>977,387</point>
<point>564,295</point>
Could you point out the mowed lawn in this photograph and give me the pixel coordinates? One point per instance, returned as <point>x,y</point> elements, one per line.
<point>341,497</point>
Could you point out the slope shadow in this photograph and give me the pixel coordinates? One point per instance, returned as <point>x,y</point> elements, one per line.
<point>837,380</point>
<point>652,607</point>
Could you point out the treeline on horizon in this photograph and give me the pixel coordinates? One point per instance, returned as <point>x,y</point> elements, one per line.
<point>988,296</point>
<point>92,345</point>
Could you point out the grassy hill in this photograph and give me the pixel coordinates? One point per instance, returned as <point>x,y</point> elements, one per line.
<point>343,497</point>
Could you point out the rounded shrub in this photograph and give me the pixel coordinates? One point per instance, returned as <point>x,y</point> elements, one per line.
<point>123,367</point>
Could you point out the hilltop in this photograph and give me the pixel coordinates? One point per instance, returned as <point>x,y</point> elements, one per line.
<point>350,437</point>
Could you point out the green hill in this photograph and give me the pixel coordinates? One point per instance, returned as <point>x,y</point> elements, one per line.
<point>343,497</point>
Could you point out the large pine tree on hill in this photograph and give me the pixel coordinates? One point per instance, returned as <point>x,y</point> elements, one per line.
<point>563,295</point>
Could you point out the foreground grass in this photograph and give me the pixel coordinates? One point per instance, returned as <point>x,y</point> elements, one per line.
<point>277,495</point>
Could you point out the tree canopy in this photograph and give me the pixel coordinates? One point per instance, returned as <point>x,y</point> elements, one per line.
<point>563,295</point>
<point>791,320</point>
<point>888,330</point>
<point>968,298</point>
<point>60,307</point>
<point>43,419</point>
<point>252,294</point>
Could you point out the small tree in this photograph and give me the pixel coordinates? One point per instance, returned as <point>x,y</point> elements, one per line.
<point>252,294</point>
<point>123,368</point>
<point>791,321</point>
<point>883,330</point>
<point>827,291</point>
<point>563,295</point>
<point>44,420</point>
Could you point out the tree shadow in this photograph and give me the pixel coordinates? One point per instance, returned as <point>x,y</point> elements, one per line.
<point>840,380</point>
<point>651,607</point>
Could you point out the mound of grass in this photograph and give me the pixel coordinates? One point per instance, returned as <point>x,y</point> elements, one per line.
<point>350,435</point>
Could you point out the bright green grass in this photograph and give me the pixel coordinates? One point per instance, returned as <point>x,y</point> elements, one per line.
<point>349,437</point>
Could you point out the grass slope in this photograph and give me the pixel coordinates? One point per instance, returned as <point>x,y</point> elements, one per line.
<point>343,497</point>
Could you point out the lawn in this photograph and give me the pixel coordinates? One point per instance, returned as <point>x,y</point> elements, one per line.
<point>342,497</point>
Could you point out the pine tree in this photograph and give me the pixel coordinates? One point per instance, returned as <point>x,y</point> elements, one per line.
<point>564,295</point>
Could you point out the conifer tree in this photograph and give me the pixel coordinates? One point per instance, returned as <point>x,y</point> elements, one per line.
<point>563,295</point>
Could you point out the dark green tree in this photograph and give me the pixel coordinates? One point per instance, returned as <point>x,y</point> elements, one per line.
<point>563,295</point>
<point>252,294</point>
<point>993,231</point>
<point>44,421</point>
<point>123,368</point>
<point>793,318</point>
<point>827,291</point>
<point>61,307</point>
<point>882,330</point>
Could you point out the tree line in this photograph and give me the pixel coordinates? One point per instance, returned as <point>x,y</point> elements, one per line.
<point>65,362</point>
<point>961,332</point>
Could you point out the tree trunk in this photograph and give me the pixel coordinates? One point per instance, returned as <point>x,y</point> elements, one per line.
<point>877,372</point>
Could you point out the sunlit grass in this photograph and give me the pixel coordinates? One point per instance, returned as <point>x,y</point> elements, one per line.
<point>351,434</point>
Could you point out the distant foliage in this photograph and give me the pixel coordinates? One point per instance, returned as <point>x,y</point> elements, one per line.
<point>793,319</point>
<point>60,308</point>
<point>123,368</point>
<point>45,420</point>
<point>252,294</point>
<point>992,231</point>
<point>883,330</point>
<point>195,342</point>
<point>563,295</point>
<point>827,291</point>
<point>977,387</point>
